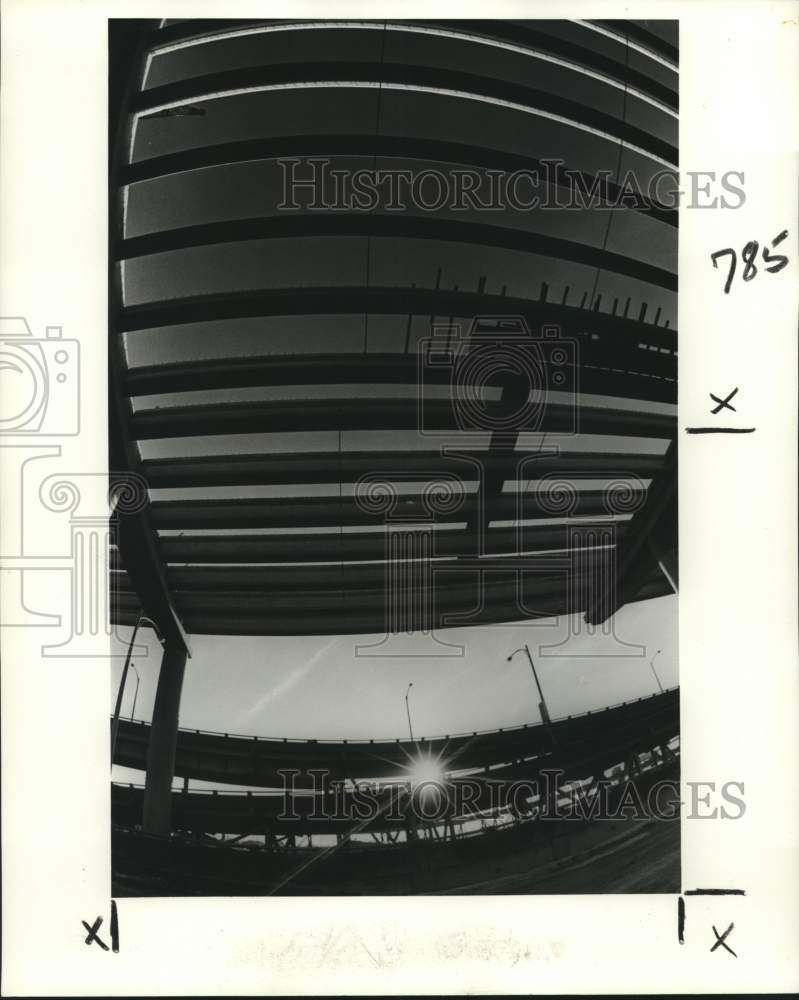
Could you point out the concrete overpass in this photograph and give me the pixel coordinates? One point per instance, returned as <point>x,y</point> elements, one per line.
<point>208,277</point>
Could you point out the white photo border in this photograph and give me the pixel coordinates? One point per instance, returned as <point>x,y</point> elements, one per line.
<point>738,600</point>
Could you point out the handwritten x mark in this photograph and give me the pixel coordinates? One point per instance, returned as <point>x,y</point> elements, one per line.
<point>92,935</point>
<point>724,404</point>
<point>720,939</point>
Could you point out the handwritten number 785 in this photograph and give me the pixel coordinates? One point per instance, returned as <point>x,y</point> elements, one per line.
<point>773,262</point>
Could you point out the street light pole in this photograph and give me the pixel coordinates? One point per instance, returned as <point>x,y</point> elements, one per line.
<point>408,711</point>
<point>123,679</point>
<point>652,665</point>
<point>542,705</point>
<point>136,692</point>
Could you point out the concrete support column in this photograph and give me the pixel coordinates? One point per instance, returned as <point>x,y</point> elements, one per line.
<point>157,816</point>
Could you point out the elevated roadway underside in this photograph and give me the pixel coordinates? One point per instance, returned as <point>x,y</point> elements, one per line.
<point>258,762</point>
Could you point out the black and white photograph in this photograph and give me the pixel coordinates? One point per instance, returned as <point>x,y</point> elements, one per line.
<point>398,498</point>
<point>392,416</point>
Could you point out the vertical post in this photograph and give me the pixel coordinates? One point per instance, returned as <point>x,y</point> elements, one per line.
<point>542,705</point>
<point>652,665</point>
<point>157,816</point>
<point>408,711</point>
<point>121,691</point>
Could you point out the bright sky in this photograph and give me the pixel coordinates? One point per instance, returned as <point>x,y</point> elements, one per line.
<point>317,687</point>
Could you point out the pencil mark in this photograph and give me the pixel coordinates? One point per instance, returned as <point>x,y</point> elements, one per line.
<point>719,430</point>
<point>362,943</point>
<point>724,404</point>
<point>715,892</point>
<point>775,262</point>
<point>92,935</point>
<point>721,939</point>
<point>114,927</point>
